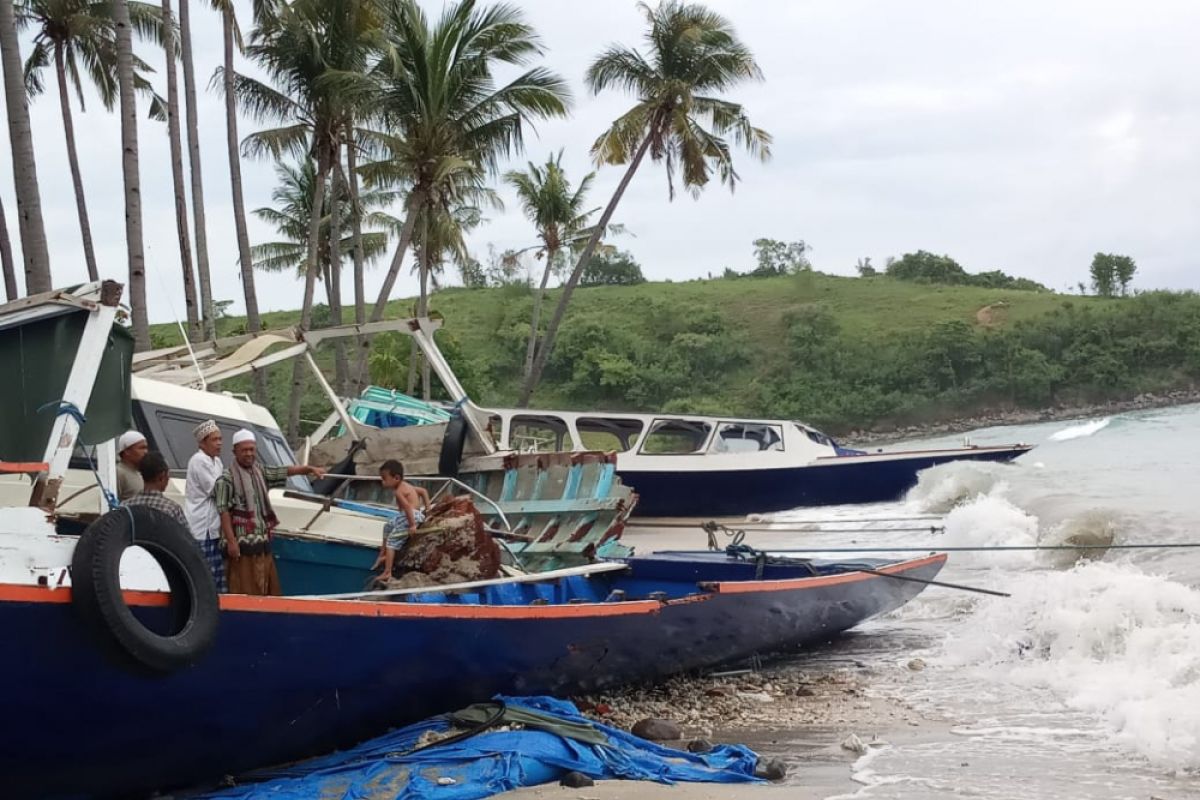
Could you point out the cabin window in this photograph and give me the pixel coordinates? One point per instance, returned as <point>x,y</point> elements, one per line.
<point>747,437</point>
<point>675,437</point>
<point>615,435</point>
<point>174,437</point>
<point>530,434</point>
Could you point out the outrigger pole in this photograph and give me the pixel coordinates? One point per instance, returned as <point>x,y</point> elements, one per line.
<point>221,359</point>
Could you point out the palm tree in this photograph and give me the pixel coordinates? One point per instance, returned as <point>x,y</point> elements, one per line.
<point>300,46</point>
<point>75,35</point>
<point>679,118</point>
<point>6,258</point>
<point>29,201</point>
<point>231,37</point>
<point>292,214</point>
<point>182,223</point>
<point>558,215</point>
<point>129,168</point>
<point>439,234</point>
<point>436,92</point>
<point>208,312</point>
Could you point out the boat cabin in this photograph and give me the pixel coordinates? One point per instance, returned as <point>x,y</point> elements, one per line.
<point>652,435</point>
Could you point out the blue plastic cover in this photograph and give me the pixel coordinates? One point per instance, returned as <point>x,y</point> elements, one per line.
<point>489,763</point>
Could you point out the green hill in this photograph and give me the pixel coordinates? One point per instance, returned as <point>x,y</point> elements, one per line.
<point>844,353</point>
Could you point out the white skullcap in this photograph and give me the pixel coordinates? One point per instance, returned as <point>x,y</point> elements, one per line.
<point>205,429</point>
<point>243,436</point>
<point>129,439</point>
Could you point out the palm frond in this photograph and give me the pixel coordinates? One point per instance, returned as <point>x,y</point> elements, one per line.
<point>39,59</point>
<point>294,140</point>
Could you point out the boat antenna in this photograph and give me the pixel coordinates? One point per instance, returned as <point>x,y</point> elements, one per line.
<point>182,331</point>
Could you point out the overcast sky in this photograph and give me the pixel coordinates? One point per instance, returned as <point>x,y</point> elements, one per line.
<point>1022,136</point>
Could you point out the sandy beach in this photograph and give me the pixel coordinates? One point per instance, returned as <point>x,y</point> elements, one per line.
<point>816,715</point>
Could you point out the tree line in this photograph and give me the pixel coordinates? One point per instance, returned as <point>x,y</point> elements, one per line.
<point>389,129</point>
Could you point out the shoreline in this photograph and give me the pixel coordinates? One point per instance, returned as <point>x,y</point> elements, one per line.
<point>1142,402</point>
<point>818,718</point>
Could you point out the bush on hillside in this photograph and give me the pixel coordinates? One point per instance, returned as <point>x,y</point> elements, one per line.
<point>925,267</point>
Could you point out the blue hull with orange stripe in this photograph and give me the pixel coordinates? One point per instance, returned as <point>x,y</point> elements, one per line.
<point>293,677</point>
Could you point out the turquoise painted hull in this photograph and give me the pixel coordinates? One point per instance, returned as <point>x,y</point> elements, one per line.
<point>321,566</point>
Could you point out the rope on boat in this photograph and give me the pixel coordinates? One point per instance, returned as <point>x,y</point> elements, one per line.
<point>773,526</point>
<point>999,548</point>
<point>738,550</point>
<point>65,408</point>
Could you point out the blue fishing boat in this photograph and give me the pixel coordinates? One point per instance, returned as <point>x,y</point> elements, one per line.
<point>289,677</point>
<point>130,674</point>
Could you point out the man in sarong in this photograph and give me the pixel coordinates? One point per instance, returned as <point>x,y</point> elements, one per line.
<point>242,495</point>
<point>203,470</point>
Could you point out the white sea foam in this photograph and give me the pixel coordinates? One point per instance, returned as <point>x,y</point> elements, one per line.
<point>1080,431</point>
<point>991,521</point>
<point>1107,639</point>
<point>939,489</point>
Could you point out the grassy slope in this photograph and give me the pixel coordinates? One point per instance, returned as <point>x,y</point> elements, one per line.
<point>874,307</point>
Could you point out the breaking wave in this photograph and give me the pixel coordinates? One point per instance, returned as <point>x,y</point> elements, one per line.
<point>1109,640</point>
<point>939,489</point>
<point>1080,431</point>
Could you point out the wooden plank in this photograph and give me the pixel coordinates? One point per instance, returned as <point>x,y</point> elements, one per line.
<point>561,506</point>
<point>537,577</point>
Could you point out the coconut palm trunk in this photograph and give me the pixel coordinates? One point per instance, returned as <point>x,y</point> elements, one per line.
<point>181,212</point>
<point>29,202</point>
<point>423,311</point>
<point>360,286</point>
<point>340,368</point>
<point>535,315</point>
<point>311,270</point>
<point>406,234</point>
<point>204,277</point>
<point>543,353</point>
<point>11,292</point>
<point>245,262</point>
<point>129,169</point>
<point>64,101</point>
<point>389,282</point>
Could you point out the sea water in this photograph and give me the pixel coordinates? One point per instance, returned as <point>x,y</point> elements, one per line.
<point>1085,683</point>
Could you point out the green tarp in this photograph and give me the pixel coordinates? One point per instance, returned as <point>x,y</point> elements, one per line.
<point>35,361</point>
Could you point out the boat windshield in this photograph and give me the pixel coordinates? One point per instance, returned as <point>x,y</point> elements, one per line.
<point>815,435</point>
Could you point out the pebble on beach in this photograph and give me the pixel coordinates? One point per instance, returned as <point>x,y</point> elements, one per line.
<point>657,730</point>
<point>778,698</point>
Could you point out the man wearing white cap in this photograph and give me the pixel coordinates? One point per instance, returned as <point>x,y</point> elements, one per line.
<point>203,470</point>
<point>131,449</point>
<point>247,520</point>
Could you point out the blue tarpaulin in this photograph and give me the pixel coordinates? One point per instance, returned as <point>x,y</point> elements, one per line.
<point>489,763</point>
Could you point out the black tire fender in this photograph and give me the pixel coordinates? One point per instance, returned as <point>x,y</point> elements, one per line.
<point>453,442</point>
<point>193,610</point>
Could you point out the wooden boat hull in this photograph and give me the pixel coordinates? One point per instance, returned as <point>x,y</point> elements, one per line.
<point>834,481</point>
<point>290,677</point>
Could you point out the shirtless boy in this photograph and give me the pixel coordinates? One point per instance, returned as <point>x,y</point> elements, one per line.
<point>412,501</point>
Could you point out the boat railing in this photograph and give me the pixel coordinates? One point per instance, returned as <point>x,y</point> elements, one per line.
<point>446,483</point>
